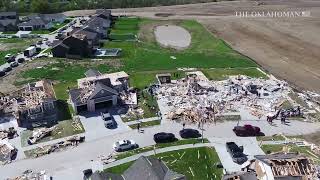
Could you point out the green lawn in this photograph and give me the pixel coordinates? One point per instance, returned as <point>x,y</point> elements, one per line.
<point>194,163</point>
<point>4,53</point>
<point>146,124</point>
<point>206,51</point>
<point>292,148</point>
<point>271,138</point>
<point>222,74</point>
<point>159,146</point>
<point>149,106</point>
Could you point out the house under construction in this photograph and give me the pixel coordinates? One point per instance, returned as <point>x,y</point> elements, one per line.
<point>280,166</point>
<point>98,90</point>
<point>35,104</point>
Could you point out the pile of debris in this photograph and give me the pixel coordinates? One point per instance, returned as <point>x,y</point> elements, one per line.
<point>7,151</point>
<point>10,133</point>
<point>197,97</point>
<point>39,134</point>
<point>72,141</point>
<point>30,175</point>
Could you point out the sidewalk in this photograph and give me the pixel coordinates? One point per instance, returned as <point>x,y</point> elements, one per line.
<point>142,120</point>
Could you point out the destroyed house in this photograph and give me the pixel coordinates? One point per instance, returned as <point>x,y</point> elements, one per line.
<point>98,90</point>
<point>8,21</point>
<point>36,105</point>
<point>284,166</point>
<point>144,168</point>
<point>75,46</point>
<point>240,176</point>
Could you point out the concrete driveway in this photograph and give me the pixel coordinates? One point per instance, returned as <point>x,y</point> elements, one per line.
<point>95,129</point>
<point>250,145</point>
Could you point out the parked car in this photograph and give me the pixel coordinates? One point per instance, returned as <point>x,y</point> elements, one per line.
<point>236,153</point>
<point>7,56</point>
<point>109,122</point>
<point>14,64</point>
<point>87,174</point>
<point>2,73</point>
<point>125,145</point>
<point>21,60</point>
<point>189,133</point>
<point>247,130</point>
<point>7,69</point>
<point>163,137</point>
<point>39,42</point>
<point>10,58</point>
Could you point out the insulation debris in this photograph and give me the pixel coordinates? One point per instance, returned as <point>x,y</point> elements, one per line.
<point>30,175</point>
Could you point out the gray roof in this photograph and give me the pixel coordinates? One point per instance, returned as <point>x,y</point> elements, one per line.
<point>106,176</point>
<point>144,168</point>
<point>35,19</point>
<point>92,73</point>
<point>242,175</point>
<point>6,22</point>
<point>106,12</point>
<point>99,22</point>
<point>76,92</point>
<point>90,35</point>
<point>8,13</point>
<point>54,16</point>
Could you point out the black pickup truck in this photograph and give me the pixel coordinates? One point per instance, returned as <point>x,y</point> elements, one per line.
<point>236,153</point>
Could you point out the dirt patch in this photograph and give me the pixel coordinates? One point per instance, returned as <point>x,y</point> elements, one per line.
<point>172,36</point>
<point>164,14</point>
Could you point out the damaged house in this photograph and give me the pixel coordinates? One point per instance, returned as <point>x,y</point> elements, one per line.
<point>98,90</point>
<point>36,104</point>
<point>284,166</point>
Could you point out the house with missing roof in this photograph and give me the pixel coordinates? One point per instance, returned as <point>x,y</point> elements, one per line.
<point>98,90</point>
<point>40,21</point>
<point>35,105</point>
<point>144,168</point>
<point>8,21</point>
<point>284,166</point>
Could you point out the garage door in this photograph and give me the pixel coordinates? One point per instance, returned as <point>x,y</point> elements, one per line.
<point>102,105</point>
<point>82,108</point>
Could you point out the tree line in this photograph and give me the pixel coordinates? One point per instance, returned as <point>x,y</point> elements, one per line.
<point>54,6</point>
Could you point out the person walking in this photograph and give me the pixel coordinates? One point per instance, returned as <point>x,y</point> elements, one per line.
<point>183,125</point>
<point>138,127</point>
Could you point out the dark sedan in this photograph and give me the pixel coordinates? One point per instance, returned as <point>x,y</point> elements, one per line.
<point>189,133</point>
<point>163,137</point>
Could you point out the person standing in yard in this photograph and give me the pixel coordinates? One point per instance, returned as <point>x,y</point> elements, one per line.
<point>138,127</point>
<point>183,125</point>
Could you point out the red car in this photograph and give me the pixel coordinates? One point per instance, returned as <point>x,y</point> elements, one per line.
<point>247,130</point>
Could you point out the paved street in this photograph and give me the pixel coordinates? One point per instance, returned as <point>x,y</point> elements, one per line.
<point>73,161</point>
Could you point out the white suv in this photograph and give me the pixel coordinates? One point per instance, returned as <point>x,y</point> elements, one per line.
<point>124,145</point>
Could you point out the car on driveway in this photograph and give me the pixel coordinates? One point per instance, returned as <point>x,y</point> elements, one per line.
<point>189,133</point>
<point>7,69</point>
<point>236,152</point>
<point>125,145</point>
<point>164,137</point>
<point>109,122</point>
<point>247,130</point>
<point>14,64</point>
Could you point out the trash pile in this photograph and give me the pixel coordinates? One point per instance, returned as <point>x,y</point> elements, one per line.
<point>10,133</point>
<point>7,151</point>
<point>72,141</point>
<point>39,134</point>
<point>195,98</point>
<point>30,175</point>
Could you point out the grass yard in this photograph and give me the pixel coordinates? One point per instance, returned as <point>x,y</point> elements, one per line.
<point>271,138</point>
<point>125,29</point>
<point>194,163</point>
<point>146,124</point>
<point>222,74</point>
<point>292,148</point>
<point>149,106</point>
<point>159,146</point>
<point>206,51</point>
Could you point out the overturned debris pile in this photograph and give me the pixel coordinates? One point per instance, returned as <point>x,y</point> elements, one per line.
<point>39,134</point>
<point>30,175</point>
<point>10,133</point>
<point>7,151</point>
<point>199,98</point>
<point>41,151</point>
